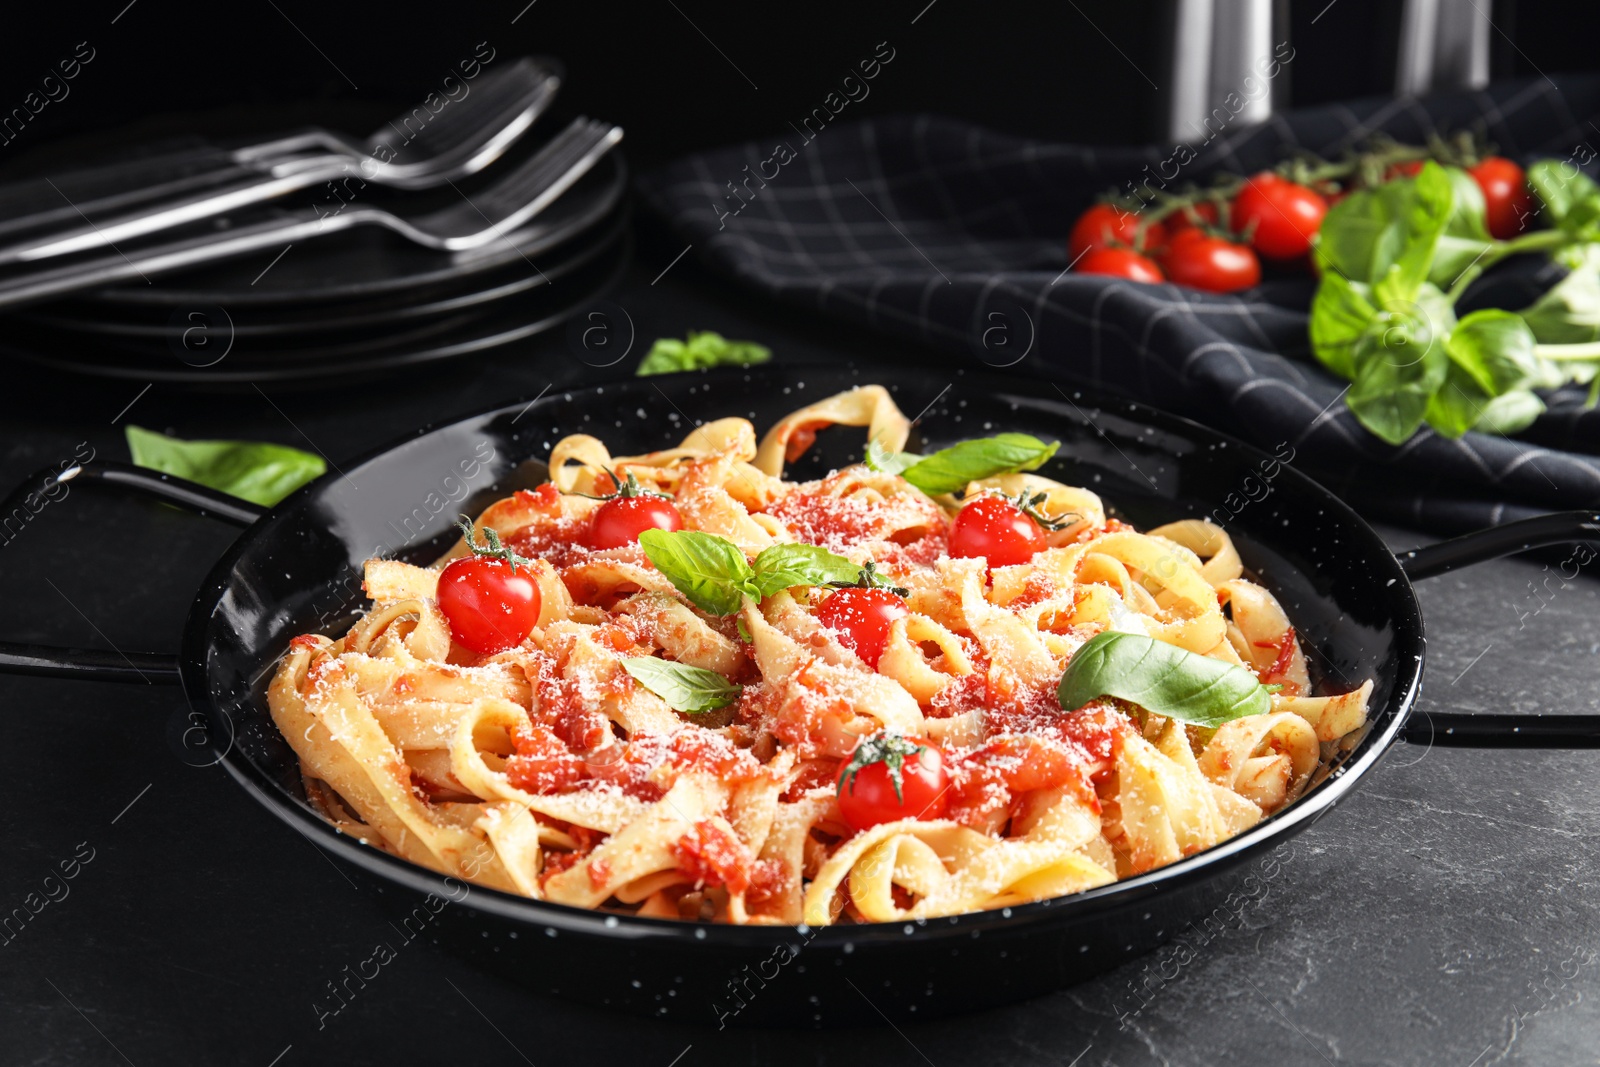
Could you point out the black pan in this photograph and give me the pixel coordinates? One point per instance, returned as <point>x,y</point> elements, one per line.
<point>298,568</point>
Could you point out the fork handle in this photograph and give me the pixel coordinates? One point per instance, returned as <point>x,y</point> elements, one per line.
<point>285,177</point>
<point>142,264</point>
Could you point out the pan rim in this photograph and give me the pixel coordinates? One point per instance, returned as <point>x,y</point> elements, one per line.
<point>1388,578</point>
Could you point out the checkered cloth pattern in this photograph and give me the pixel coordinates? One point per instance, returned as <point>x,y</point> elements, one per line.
<point>953,236</point>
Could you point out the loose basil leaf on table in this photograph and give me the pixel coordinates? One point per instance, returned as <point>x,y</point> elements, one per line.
<point>952,469</point>
<point>1161,678</point>
<point>257,471</point>
<point>684,688</point>
<point>702,350</point>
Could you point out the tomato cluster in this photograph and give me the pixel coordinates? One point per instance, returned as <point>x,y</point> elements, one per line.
<point>1215,240</point>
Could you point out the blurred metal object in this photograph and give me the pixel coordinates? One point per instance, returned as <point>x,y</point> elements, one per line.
<point>1444,44</point>
<point>1220,52</point>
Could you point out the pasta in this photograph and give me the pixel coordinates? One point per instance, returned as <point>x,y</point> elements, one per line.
<point>564,769</point>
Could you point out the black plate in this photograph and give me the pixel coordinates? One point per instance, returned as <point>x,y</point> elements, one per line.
<point>297,568</point>
<point>370,265</point>
<point>582,279</point>
<point>265,334</point>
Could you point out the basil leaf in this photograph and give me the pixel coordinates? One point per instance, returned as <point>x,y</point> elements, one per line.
<point>1466,234</point>
<point>1562,193</point>
<point>1341,315</point>
<point>1458,405</point>
<point>1496,348</point>
<point>1509,413</point>
<point>1397,374</point>
<point>703,349</point>
<point>1161,678</point>
<point>1420,223</point>
<point>951,469</point>
<point>881,459</point>
<point>1349,241</point>
<point>710,570</point>
<point>784,566</point>
<point>684,688</point>
<point>1569,311</point>
<point>256,471</point>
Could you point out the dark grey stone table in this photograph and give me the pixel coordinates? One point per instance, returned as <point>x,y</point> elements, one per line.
<point>1445,915</point>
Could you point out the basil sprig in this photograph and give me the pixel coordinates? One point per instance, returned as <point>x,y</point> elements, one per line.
<point>1397,258</point>
<point>713,573</point>
<point>1161,678</point>
<point>256,471</point>
<point>949,470</point>
<point>703,349</point>
<point>684,688</point>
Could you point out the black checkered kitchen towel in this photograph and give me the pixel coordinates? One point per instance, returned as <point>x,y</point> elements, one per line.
<point>927,228</point>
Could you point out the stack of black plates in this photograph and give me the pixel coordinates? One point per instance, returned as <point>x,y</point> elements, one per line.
<point>350,305</point>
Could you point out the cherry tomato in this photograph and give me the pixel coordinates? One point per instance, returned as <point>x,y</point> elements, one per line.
<point>1201,261</point>
<point>491,604</point>
<point>1120,263</point>
<point>1106,224</point>
<point>860,619</point>
<point>1286,215</point>
<point>1505,196</point>
<point>995,529</point>
<point>1409,169</point>
<point>866,785</point>
<point>621,519</point>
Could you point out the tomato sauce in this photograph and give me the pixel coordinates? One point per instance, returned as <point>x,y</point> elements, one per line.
<point>711,856</point>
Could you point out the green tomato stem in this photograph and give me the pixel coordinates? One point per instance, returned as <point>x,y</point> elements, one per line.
<point>1543,240</point>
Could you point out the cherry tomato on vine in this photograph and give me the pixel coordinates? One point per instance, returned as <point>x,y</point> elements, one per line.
<point>1202,261</point>
<point>1409,169</point>
<point>1505,195</point>
<point>629,512</point>
<point>1120,263</point>
<point>861,618</point>
<point>889,777</point>
<point>996,529</point>
<point>1285,215</point>
<point>489,598</point>
<point>1106,224</point>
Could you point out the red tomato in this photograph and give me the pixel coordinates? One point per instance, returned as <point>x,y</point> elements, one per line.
<point>1106,224</point>
<point>866,787</point>
<point>1201,261</point>
<point>1505,196</point>
<point>1120,263</point>
<point>1286,215</point>
<point>860,619</point>
<point>620,520</point>
<point>995,529</point>
<point>1409,169</point>
<point>490,604</point>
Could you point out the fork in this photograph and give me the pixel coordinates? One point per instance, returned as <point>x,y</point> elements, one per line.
<point>461,139</point>
<point>498,210</point>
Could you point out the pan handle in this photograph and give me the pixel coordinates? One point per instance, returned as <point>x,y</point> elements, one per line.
<point>1497,730</point>
<point>48,485</point>
<point>1560,528</point>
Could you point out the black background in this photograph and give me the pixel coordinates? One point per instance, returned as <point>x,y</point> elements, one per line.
<point>1085,71</point>
<point>1443,916</point>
